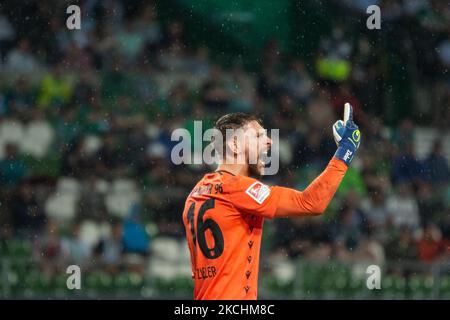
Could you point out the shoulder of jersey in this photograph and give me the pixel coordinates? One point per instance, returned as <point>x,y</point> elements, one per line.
<point>253,188</point>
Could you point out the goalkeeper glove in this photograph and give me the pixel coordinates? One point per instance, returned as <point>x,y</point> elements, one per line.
<point>347,136</point>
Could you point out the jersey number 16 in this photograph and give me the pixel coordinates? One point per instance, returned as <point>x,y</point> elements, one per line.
<point>202,227</point>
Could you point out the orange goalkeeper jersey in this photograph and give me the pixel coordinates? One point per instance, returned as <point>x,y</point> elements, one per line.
<point>223,219</point>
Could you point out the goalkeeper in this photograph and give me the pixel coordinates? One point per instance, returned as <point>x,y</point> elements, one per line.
<point>225,211</point>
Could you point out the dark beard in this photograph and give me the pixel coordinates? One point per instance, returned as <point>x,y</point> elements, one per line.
<point>253,171</point>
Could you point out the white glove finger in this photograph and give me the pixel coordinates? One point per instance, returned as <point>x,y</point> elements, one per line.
<point>348,113</point>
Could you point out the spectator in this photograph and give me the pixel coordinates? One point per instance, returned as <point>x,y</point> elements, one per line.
<point>130,41</point>
<point>148,26</point>
<point>20,99</point>
<point>241,88</point>
<point>343,95</point>
<point>299,237</point>
<point>406,167</point>
<point>312,148</point>
<point>298,82</point>
<point>110,249</point>
<point>91,203</point>
<point>7,34</point>
<point>351,222</point>
<point>28,216</point>
<point>6,220</point>
<point>200,64</point>
<point>430,205</point>
<point>76,161</point>
<point>404,134</point>
<point>403,208</point>
<point>376,209</point>
<point>107,155</point>
<point>21,62</point>
<point>368,250</point>
<point>269,81</point>
<point>320,110</point>
<point>402,247</point>
<point>12,168</point>
<point>135,242</point>
<point>75,249</point>
<point>135,238</point>
<point>214,95</point>
<point>172,57</point>
<point>47,249</point>
<point>430,245</point>
<point>333,62</point>
<point>436,166</point>
<point>137,142</point>
<point>56,88</point>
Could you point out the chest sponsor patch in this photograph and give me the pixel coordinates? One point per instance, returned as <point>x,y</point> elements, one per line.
<point>258,191</point>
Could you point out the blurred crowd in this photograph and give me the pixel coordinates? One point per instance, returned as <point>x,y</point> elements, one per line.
<point>96,108</point>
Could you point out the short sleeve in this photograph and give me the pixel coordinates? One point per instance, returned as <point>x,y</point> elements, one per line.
<point>251,196</point>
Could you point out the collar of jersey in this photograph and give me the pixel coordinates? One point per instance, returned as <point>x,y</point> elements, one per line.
<point>220,171</point>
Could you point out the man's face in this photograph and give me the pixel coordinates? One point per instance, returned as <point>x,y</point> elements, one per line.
<point>256,144</point>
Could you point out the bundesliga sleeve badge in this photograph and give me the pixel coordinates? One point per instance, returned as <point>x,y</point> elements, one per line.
<point>258,191</point>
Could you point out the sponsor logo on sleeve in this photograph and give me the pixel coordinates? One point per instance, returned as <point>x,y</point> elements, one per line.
<point>258,191</point>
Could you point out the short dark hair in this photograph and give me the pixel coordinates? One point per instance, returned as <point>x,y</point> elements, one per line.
<point>233,121</point>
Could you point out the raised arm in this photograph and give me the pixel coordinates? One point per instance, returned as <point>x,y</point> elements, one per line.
<point>316,197</point>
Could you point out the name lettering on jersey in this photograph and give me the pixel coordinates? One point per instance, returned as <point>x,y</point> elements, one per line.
<point>205,272</point>
<point>258,191</point>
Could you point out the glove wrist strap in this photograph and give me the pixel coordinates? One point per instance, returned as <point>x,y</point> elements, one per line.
<point>344,154</point>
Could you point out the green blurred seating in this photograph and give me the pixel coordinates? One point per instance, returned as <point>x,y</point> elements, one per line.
<point>47,166</point>
<point>355,288</point>
<point>277,287</point>
<point>163,286</point>
<point>393,287</point>
<point>420,287</point>
<point>17,248</point>
<point>444,288</point>
<point>312,281</point>
<point>105,283</point>
<point>37,284</point>
<point>59,286</point>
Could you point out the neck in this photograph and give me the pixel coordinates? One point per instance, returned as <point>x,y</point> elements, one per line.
<point>236,169</point>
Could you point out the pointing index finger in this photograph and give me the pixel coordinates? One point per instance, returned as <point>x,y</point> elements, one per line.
<point>348,113</point>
